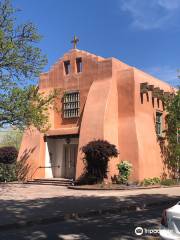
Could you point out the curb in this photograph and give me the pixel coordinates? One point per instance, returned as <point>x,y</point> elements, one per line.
<point>76,215</point>
<point>121,189</point>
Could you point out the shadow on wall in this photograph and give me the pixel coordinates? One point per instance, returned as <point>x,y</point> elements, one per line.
<point>164,156</point>
<point>23,166</point>
<point>170,166</point>
<point>104,227</point>
<point>167,168</point>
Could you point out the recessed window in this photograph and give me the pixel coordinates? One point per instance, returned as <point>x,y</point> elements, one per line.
<point>71,104</point>
<point>79,65</point>
<point>67,67</point>
<point>159,123</point>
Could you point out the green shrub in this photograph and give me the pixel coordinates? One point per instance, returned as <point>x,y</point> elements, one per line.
<point>125,169</point>
<point>96,156</point>
<point>151,181</point>
<point>8,156</point>
<point>169,182</point>
<point>7,172</point>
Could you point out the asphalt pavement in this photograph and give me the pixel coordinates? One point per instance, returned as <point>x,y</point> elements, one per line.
<point>22,204</point>
<point>119,226</point>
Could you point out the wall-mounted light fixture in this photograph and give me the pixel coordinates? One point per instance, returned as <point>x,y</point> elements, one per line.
<point>68,140</point>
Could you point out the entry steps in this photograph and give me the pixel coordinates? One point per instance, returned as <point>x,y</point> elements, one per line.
<point>51,181</point>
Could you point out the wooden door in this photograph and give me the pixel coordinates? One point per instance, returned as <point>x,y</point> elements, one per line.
<point>70,156</point>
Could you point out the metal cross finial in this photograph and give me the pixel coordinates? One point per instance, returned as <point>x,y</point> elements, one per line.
<point>75,41</point>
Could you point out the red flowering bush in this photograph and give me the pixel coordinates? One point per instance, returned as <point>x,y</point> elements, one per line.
<point>96,156</point>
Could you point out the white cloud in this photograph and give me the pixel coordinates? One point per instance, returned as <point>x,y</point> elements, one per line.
<point>165,73</point>
<point>169,4</point>
<point>151,14</point>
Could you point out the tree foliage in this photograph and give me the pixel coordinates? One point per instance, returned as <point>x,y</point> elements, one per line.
<point>11,138</point>
<point>20,59</point>
<point>172,132</point>
<point>25,107</point>
<point>21,62</point>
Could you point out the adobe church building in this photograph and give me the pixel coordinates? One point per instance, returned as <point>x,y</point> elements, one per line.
<point>101,98</point>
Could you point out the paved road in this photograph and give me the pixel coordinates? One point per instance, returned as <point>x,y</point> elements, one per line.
<point>20,203</point>
<point>106,227</point>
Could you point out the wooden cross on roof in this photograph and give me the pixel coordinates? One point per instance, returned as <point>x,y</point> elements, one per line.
<point>75,41</point>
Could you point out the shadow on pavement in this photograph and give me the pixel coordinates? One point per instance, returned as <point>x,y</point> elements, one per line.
<point>116,226</point>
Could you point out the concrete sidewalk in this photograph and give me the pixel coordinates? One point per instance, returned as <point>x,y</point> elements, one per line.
<point>22,205</point>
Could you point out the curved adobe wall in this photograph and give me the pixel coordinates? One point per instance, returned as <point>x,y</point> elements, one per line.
<point>32,149</point>
<point>32,154</point>
<point>128,142</point>
<point>111,125</point>
<point>100,119</point>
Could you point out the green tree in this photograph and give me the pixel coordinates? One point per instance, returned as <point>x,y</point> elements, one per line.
<point>21,61</point>
<point>172,131</point>
<point>11,138</point>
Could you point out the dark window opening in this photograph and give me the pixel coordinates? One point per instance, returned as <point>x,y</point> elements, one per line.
<point>79,64</point>
<point>159,123</point>
<point>67,67</point>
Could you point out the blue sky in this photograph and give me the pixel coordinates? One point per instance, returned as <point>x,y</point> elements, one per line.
<point>142,33</point>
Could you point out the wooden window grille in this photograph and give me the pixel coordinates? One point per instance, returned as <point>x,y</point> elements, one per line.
<point>71,104</point>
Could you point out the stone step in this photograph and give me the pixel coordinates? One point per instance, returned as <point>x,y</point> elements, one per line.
<point>51,181</point>
<point>54,179</point>
<point>49,184</point>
